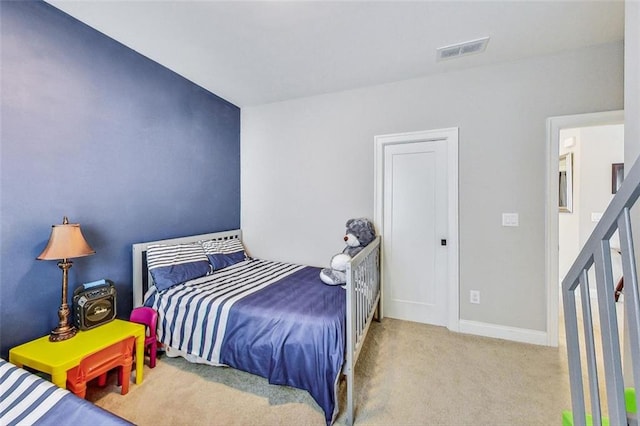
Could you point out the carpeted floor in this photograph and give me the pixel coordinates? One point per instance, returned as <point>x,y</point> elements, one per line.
<point>408,374</point>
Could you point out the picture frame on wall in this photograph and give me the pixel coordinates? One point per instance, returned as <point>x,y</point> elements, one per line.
<point>617,176</point>
<point>565,176</point>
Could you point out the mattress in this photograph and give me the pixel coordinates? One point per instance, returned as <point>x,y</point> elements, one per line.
<point>273,319</point>
<point>26,399</point>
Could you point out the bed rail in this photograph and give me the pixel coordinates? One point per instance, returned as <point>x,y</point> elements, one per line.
<point>363,295</point>
<point>363,302</point>
<point>597,254</point>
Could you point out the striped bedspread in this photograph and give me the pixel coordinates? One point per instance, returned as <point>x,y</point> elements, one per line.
<point>26,399</point>
<point>273,319</point>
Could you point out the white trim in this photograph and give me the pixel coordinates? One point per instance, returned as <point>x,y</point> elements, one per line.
<point>451,136</point>
<point>522,335</point>
<point>554,125</point>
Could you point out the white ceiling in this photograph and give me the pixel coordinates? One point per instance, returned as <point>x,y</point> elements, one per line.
<point>255,52</point>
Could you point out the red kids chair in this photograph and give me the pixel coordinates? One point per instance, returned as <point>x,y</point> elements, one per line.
<point>148,317</point>
<point>99,363</point>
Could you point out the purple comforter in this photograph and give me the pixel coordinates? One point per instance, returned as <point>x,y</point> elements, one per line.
<point>289,329</point>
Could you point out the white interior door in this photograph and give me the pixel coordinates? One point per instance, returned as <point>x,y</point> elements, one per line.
<point>415,231</point>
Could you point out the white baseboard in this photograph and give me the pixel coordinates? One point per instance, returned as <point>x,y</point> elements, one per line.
<point>522,335</point>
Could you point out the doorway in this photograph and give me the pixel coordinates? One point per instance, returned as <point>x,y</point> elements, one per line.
<point>416,210</point>
<point>557,128</point>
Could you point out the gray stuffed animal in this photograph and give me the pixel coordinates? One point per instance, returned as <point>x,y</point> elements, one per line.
<point>360,232</point>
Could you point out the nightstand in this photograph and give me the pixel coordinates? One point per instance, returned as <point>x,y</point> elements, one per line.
<point>55,358</point>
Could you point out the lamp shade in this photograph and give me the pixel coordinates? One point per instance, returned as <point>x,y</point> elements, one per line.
<point>66,242</point>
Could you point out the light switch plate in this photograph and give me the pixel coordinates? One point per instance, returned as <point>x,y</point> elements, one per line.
<point>595,217</point>
<point>510,219</point>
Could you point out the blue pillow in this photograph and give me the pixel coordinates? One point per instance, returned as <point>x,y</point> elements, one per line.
<point>223,253</point>
<point>174,264</point>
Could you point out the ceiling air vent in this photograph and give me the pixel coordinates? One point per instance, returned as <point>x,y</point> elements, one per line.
<point>462,49</point>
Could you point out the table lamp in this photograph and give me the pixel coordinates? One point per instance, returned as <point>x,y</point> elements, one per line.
<point>66,242</point>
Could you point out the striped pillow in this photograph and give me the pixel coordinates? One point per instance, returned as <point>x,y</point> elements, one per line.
<point>223,253</point>
<point>174,264</point>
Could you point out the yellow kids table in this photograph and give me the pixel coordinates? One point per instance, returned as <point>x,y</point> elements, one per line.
<point>55,358</point>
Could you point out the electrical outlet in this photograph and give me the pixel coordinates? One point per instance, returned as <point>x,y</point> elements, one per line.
<point>474,296</point>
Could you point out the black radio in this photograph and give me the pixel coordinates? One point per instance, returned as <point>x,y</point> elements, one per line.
<point>94,304</point>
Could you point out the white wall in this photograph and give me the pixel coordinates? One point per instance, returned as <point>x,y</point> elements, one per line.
<point>632,82</point>
<point>596,149</point>
<point>307,166</point>
<point>568,222</point>
<point>632,124</point>
<point>600,146</point>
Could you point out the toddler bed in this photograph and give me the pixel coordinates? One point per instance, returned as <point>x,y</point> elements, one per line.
<point>26,399</point>
<point>273,319</point>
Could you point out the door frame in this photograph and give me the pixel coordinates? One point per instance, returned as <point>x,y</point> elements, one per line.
<point>450,135</point>
<point>554,125</point>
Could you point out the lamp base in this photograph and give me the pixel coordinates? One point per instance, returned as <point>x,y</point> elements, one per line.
<point>65,329</point>
<point>61,333</point>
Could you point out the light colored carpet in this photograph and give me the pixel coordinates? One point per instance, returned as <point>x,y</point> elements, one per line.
<point>408,374</point>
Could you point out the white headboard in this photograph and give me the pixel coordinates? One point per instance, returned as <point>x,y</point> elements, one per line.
<point>141,277</point>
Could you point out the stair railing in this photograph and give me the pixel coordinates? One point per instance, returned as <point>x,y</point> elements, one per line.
<point>597,253</point>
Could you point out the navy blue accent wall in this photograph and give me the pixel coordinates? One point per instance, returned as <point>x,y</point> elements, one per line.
<point>92,130</point>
